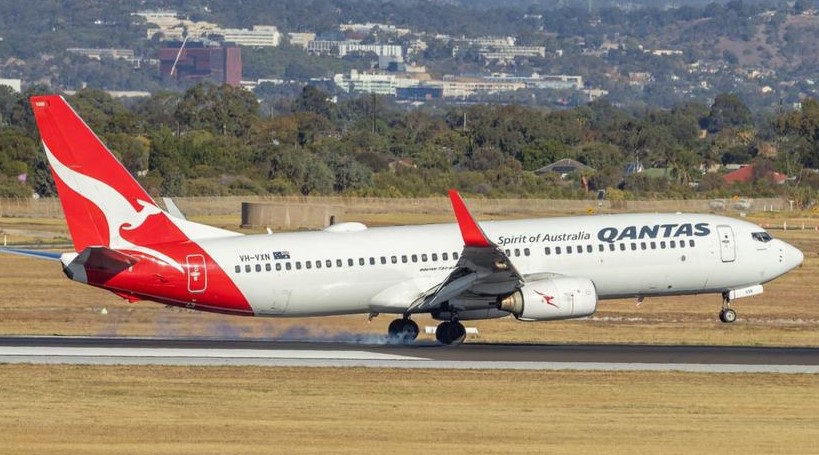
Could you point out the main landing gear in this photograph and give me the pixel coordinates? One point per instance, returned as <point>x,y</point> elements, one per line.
<point>727,314</point>
<point>405,330</point>
<point>450,332</point>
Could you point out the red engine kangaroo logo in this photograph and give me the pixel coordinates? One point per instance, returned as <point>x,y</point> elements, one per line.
<point>547,298</point>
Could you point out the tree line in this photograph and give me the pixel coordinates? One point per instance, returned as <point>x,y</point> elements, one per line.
<point>219,140</point>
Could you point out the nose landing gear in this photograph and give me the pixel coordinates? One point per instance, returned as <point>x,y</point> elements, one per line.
<point>727,315</point>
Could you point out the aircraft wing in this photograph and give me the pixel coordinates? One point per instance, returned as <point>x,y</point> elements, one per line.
<point>483,269</point>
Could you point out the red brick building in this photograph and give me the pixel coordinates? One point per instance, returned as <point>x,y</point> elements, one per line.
<point>199,61</point>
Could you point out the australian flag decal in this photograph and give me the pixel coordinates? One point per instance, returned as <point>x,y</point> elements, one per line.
<point>281,255</point>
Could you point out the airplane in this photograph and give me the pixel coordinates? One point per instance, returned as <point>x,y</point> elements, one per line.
<point>533,269</point>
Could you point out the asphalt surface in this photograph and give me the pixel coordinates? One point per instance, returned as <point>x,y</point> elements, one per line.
<point>170,351</point>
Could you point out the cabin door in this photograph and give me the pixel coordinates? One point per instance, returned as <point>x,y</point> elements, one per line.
<point>727,245</point>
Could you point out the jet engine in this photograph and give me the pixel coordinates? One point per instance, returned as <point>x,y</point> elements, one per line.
<point>555,298</point>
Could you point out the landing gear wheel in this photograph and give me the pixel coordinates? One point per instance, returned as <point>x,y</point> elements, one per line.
<point>728,315</point>
<point>450,332</point>
<point>405,330</point>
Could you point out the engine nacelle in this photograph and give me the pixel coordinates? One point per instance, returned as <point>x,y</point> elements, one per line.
<point>555,298</point>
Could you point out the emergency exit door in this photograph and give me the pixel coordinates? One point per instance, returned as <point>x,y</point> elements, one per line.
<point>197,273</point>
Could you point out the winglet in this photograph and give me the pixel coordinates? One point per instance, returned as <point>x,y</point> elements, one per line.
<point>471,232</point>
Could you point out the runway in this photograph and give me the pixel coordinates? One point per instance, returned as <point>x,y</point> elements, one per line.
<point>171,351</point>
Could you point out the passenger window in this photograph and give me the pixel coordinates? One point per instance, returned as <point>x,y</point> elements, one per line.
<point>568,250</point>
<point>434,257</point>
<point>633,246</point>
<point>287,265</point>
<point>589,249</point>
<point>350,262</point>
<point>682,243</point>
<point>258,267</point>
<point>414,258</point>
<point>612,247</point>
<point>662,244</point>
<point>372,261</point>
<point>691,243</point>
<point>526,251</point>
<point>673,243</point>
<point>622,247</point>
<point>508,253</point>
<point>557,250</point>
<point>247,268</point>
<point>455,256</point>
<point>643,245</point>
<point>404,258</point>
<point>318,264</point>
<point>548,251</point>
<point>517,252</point>
<point>298,265</point>
<point>338,263</point>
<point>601,248</point>
<point>383,260</point>
<point>579,249</point>
<point>278,267</point>
<point>423,257</point>
<point>238,269</point>
<point>267,267</point>
<point>360,261</point>
<point>394,259</point>
<point>653,245</point>
<point>445,256</point>
<point>307,265</point>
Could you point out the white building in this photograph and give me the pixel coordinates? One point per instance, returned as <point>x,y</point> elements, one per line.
<point>381,50</point>
<point>301,39</point>
<point>15,84</point>
<point>258,36</point>
<point>369,27</point>
<point>356,82</point>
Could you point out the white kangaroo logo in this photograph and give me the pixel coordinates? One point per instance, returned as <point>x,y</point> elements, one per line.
<point>117,210</point>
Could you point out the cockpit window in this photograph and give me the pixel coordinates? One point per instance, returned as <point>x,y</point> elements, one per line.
<point>762,237</point>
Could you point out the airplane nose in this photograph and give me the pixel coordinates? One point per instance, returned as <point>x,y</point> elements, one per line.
<point>792,256</point>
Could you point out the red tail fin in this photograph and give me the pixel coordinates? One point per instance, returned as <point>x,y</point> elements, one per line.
<point>103,204</point>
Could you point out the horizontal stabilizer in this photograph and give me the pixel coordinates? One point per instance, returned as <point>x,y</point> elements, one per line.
<point>37,254</point>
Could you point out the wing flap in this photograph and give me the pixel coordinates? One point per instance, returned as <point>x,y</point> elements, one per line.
<point>483,270</point>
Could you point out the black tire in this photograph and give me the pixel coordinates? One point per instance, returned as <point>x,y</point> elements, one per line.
<point>729,316</point>
<point>450,333</point>
<point>722,316</point>
<point>406,330</point>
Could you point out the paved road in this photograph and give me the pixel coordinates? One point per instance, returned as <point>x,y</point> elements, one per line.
<point>81,350</point>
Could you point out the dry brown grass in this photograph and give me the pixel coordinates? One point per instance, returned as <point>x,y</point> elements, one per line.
<point>216,410</point>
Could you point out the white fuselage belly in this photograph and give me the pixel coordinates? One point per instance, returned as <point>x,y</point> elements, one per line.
<point>648,266</point>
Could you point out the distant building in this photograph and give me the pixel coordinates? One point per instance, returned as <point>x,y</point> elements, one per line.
<point>419,93</point>
<point>357,82</point>
<point>301,39</point>
<point>98,54</point>
<point>200,60</point>
<point>745,174</point>
<point>257,36</point>
<point>14,84</point>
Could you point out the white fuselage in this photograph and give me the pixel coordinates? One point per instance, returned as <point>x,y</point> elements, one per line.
<point>351,269</point>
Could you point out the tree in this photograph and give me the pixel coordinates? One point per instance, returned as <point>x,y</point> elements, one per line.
<point>728,111</point>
